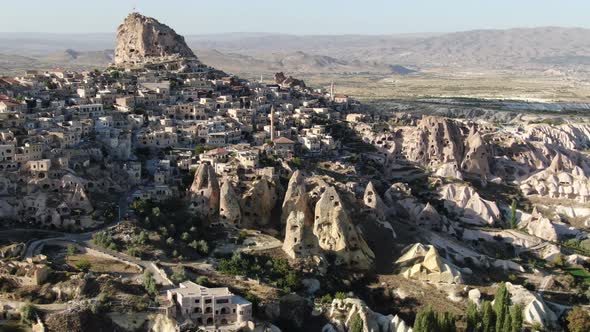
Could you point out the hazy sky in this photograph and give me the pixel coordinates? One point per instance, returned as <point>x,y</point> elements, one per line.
<point>294,16</point>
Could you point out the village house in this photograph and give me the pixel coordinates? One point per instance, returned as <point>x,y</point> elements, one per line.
<point>210,306</point>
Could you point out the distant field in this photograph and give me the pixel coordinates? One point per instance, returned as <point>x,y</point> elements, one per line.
<point>532,87</point>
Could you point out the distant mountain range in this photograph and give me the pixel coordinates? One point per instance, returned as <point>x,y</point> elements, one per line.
<point>513,49</point>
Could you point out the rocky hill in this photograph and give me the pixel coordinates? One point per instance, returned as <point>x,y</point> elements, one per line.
<point>141,39</point>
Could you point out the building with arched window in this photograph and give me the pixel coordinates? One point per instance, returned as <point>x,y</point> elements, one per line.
<point>210,306</point>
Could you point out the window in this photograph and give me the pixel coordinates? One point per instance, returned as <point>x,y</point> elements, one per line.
<point>208,301</point>
<point>222,301</point>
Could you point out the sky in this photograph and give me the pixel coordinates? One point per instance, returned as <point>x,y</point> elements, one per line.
<point>302,17</point>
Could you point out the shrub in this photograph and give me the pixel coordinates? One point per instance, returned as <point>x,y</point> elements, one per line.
<point>340,295</point>
<point>149,283</point>
<point>578,320</point>
<point>83,265</point>
<point>28,314</point>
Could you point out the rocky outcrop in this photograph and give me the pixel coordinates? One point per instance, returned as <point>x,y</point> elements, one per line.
<point>563,179</point>
<point>79,319</point>
<point>570,136</point>
<point>435,141</point>
<point>229,205</point>
<point>337,234</point>
<point>536,309</point>
<point>79,200</point>
<point>422,262</point>
<point>476,161</point>
<point>298,217</point>
<point>142,40</point>
<point>343,313</point>
<point>399,197</point>
<point>471,209</point>
<point>204,191</point>
<point>290,82</point>
<point>258,202</point>
<point>377,209</point>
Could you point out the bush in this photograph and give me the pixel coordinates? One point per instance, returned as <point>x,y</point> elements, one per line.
<point>326,299</point>
<point>83,265</point>
<point>179,274</point>
<point>149,283</point>
<point>28,314</point>
<point>578,320</point>
<point>72,250</point>
<point>340,295</point>
<point>356,324</point>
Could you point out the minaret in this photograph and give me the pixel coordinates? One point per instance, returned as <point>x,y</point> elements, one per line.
<point>332,91</point>
<point>272,123</point>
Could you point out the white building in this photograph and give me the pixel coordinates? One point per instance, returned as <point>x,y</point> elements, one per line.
<point>210,306</point>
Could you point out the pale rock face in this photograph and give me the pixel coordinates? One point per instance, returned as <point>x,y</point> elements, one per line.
<point>79,200</point>
<point>143,39</point>
<point>204,191</point>
<point>563,179</point>
<point>472,209</point>
<point>258,202</point>
<point>571,136</point>
<point>535,309</point>
<point>229,206</point>
<point>423,215</point>
<point>439,140</point>
<point>298,216</point>
<point>424,263</point>
<point>449,170</point>
<point>374,202</point>
<point>343,312</point>
<point>477,157</point>
<point>377,209</point>
<point>336,233</point>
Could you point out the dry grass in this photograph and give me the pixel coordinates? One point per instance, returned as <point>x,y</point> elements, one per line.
<point>492,85</point>
<point>102,265</point>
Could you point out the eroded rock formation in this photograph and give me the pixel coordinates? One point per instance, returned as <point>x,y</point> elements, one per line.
<point>298,217</point>
<point>204,191</point>
<point>337,234</point>
<point>142,40</point>
<point>344,312</point>
<point>423,262</point>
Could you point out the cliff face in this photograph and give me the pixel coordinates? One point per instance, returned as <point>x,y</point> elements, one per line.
<point>337,234</point>
<point>143,39</point>
<point>298,216</point>
<point>205,191</point>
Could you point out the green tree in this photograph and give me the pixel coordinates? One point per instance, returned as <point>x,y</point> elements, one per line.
<point>473,318</point>
<point>170,241</point>
<point>185,237</point>
<point>340,295</point>
<point>488,317</point>
<point>179,274</point>
<point>149,283</point>
<point>203,247</point>
<point>501,306</point>
<point>426,320</point>
<point>326,299</point>
<point>356,324</point>
<point>141,238</point>
<point>516,316</point>
<point>507,325</point>
<point>28,314</point>
<point>578,320</point>
<point>513,217</point>
<point>446,322</point>
<point>83,265</point>
<point>71,250</point>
